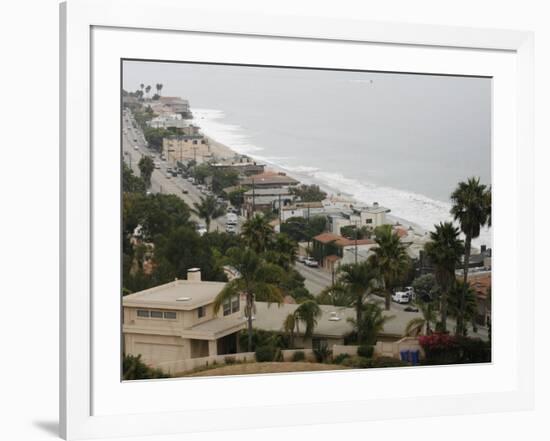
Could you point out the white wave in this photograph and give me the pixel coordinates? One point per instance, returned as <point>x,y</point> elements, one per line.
<point>212,124</point>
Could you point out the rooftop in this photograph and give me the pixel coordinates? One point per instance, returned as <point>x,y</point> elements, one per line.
<point>181,295</point>
<point>332,323</point>
<point>269,178</point>
<point>340,240</point>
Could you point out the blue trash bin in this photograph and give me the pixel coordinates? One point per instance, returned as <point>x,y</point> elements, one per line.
<point>415,357</point>
<point>405,356</point>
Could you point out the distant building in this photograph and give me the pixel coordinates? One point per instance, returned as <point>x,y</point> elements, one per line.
<point>332,250</point>
<point>266,199</point>
<point>171,104</point>
<point>269,179</point>
<point>186,147</point>
<point>359,216</point>
<point>243,165</point>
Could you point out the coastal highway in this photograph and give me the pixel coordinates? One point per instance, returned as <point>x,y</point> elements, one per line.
<point>134,146</point>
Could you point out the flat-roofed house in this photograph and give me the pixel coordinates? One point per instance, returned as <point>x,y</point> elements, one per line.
<point>269,179</point>
<point>175,322</point>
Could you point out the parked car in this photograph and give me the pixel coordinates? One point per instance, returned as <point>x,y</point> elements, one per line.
<point>201,229</point>
<point>401,297</point>
<point>312,263</point>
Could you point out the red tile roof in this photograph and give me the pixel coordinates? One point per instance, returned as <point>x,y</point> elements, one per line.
<point>340,241</point>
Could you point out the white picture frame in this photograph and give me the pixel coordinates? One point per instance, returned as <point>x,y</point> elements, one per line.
<point>79,415</point>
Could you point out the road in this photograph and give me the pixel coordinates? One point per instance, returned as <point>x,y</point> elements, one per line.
<point>317,279</point>
<point>134,147</point>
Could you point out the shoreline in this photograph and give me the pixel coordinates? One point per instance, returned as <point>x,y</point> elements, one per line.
<point>223,151</point>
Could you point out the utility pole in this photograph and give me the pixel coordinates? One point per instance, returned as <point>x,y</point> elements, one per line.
<point>253,197</point>
<point>280,212</point>
<point>355,229</point>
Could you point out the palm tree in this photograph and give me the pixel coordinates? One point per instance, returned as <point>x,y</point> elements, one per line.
<point>147,90</point>
<point>429,316</point>
<point>463,292</point>
<point>257,281</point>
<point>289,325</point>
<point>358,279</point>
<point>445,250</point>
<point>391,259</point>
<point>208,209</point>
<point>286,248</point>
<point>257,233</point>
<point>472,209</point>
<point>141,86</point>
<point>370,324</point>
<point>159,88</point>
<point>336,295</point>
<point>308,312</point>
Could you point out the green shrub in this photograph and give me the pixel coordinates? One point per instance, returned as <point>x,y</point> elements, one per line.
<point>229,360</point>
<point>382,362</point>
<point>356,362</point>
<point>268,353</point>
<point>322,353</point>
<point>339,359</point>
<point>365,351</point>
<point>134,369</point>
<point>263,338</point>
<point>298,356</point>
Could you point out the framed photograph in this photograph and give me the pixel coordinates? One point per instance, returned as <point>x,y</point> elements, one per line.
<point>329,219</point>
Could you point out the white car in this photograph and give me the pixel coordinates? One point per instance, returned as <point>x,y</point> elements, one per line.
<point>311,263</point>
<point>201,229</point>
<point>401,297</point>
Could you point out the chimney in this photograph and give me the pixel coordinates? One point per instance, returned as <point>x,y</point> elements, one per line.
<point>483,248</point>
<point>194,275</point>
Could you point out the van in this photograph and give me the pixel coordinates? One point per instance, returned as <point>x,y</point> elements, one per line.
<point>401,297</point>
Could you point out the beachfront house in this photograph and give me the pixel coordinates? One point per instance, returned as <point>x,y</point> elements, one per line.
<point>266,200</point>
<point>171,104</point>
<point>268,179</point>
<point>242,164</point>
<point>359,216</point>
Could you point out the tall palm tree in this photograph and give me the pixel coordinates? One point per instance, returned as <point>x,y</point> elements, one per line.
<point>257,281</point>
<point>472,209</point>
<point>289,325</point>
<point>391,259</point>
<point>370,324</point>
<point>359,280</point>
<point>147,90</point>
<point>159,88</point>
<point>445,251</point>
<point>208,209</point>
<point>257,233</point>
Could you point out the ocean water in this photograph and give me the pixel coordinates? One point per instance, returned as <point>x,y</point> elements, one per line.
<point>401,140</point>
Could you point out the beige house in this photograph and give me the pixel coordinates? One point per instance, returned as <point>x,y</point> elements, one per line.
<point>186,147</point>
<point>176,322</point>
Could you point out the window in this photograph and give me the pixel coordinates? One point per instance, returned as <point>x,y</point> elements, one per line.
<point>369,221</point>
<point>235,303</point>
<point>170,315</point>
<point>156,314</point>
<point>227,307</point>
<point>142,313</point>
<point>195,142</point>
<point>201,311</point>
